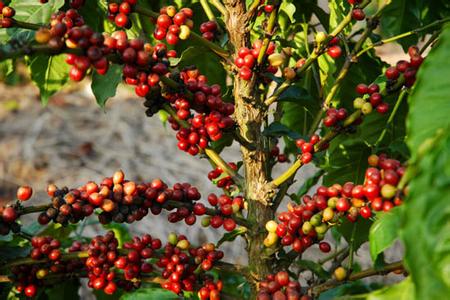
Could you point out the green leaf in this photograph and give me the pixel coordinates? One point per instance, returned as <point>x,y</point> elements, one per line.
<point>58,231</point>
<point>49,73</point>
<point>94,13</point>
<point>231,236</point>
<point>30,11</point>
<point>361,233</point>
<point>314,267</point>
<point>277,129</point>
<point>149,293</point>
<point>429,104</point>
<point>105,86</point>
<point>401,16</point>
<point>299,109</point>
<point>327,67</point>
<point>338,10</point>
<point>400,291</point>
<point>384,231</point>
<point>345,161</point>
<point>426,231</point>
<point>309,183</point>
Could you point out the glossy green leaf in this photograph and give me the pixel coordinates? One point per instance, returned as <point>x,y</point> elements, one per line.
<point>49,73</point>
<point>345,161</point>
<point>400,291</point>
<point>426,232</point>
<point>231,236</point>
<point>429,104</point>
<point>358,231</point>
<point>30,11</point>
<point>384,231</point>
<point>277,129</point>
<point>105,86</point>
<point>338,10</point>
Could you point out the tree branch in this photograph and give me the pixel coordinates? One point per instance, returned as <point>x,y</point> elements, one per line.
<point>318,289</point>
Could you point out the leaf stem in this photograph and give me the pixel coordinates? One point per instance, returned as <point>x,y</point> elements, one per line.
<point>268,35</point>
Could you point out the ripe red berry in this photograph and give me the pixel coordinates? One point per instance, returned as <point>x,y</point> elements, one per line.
<point>365,212</point>
<point>362,89</point>
<point>30,291</point>
<point>245,73</point>
<point>342,204</point>
<point>76,74</point>
<point>24,193</point>
<point>9,214</point>
<point>110,288</point>
<point>121,20</point>
<point>334,51</point>
<point>358,14</point>
<point>229,224</point>
<point>282,278</point>
<point>324,247</point>
<point>306,157</point>
<point>392,73</point>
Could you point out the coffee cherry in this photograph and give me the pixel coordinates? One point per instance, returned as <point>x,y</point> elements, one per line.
<point>24,193</point>
<point>365,212</point>
<point>340,273</point>
<point>362,89</point>
<point>358,14</point>
<point>366,108</point>
<point>30,291</point>
<point>9,214</point>
<point>334,51</point>
<point>392,73</point>
<point>245,73</point>
<point>324,247</point>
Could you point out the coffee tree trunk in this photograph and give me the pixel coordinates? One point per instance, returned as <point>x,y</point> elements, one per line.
<point>250,116</point>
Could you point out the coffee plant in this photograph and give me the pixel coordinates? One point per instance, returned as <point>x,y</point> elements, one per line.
<point>294,83</point>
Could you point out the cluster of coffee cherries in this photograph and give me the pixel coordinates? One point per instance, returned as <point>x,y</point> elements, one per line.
<point>68,30</point>
<point>334,117</point>
<point>280,286</point>
<point>174,25</point>
<point>209,30</point>
<point>119,12</point>
<point>303,224</point>
<point>180,261</point>
<point>27,278</point>
<point>118,200</point>
<point>307,148</point>
<point>10,213</point>
<point>403,70</point>
<point>210,289</point>
<point>206,113</point>
<point>227,206</point>
<point>375,99</point>
<point>407,68</point>
<point>280,157</point>
<point>45,246</point>
<point>7,13</point>
<point>222,179</point>
<point>246,59</point>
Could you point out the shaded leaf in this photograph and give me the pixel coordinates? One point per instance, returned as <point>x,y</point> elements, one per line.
<point>105,86</point>
<point>149,293</point>
<point>49,73</point>
<point>314,267</point>
<point>231,236</point>
<point>384,231</point>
